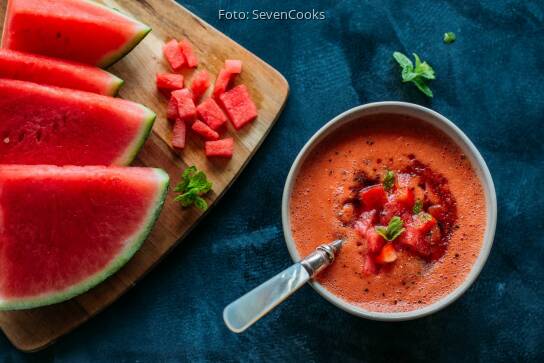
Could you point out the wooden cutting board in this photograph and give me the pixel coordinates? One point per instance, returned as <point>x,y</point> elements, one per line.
<point>34,329</point>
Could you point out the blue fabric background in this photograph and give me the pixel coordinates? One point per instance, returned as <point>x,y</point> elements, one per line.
<point>489,82</point>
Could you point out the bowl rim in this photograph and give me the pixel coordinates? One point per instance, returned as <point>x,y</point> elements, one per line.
<point>460,139</point>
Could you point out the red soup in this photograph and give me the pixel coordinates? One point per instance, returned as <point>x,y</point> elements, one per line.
<point>406,200</point>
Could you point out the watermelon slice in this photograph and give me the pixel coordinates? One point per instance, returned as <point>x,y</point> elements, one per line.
<point>50,125</point>
<point>66,229</point>
<point>57,72</point>
<point>169,81</point>
<point>179,134</point>
<point>239,106</point>
<point>204,130</point>
<point>186,105</point>
<point>79,30</point>
<point>221,148</point>
<point>188,53</point>
<point>211,114</point>
<point>200,84</point>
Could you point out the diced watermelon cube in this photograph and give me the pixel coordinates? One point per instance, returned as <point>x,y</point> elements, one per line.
<point>173,55</point>
<point>200,84</point>
<point>374,241</point>
<point>188,53</point>
<point>169,81</point>
<point>221,148</point>
<point>222,82</point>
<point>233,66</point>
<point>210,112</point>
<point>373,197</point>
<point>366,220</point>
<point>369,266</point>
<point>186,105</point>
<point>424,222</point>
<point>239,107</point>
<point>179,134</point>
<point>205,131</point>
<point>172,110</point>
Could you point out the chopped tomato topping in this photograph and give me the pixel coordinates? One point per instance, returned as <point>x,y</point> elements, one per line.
<point>369,266</point>
<point>388,254</point>
<point>374,241</point>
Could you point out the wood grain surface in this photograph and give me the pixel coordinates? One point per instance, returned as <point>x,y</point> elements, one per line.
<point>34,329</point>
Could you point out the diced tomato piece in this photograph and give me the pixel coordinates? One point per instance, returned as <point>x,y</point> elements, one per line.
<point>374,241</point>
<point>373,197</point>
<point>366,220</point>
<point>186,105</point>
<point>233,66</point>
<point>369,266</point>
<point>179,134</point>
<point>188,53</point>
<point>388,254</point>
<point>221,148</point>
<point>210,112</point>
<point>404,190</point>
<point>437,211</point>
<point>424,222</point>
<point>390,209</point>
<point>222,82</point>
<point>239,106</point>
<point>204,130</point>
<point>200,84</point>
<point>172,109</point>
<point>169,81</point>
<point>410,237</point>
<point>173,55</point>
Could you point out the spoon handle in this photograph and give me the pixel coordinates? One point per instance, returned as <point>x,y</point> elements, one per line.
<point>242,313</point>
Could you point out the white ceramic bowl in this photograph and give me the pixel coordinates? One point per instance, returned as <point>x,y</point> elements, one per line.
<point>478,163</point>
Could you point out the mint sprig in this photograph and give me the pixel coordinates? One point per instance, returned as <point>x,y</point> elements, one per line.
<point>417,74</point>
<point>192,186</point>
<point>393,229</point>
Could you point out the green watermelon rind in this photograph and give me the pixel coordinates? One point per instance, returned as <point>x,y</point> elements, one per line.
<point>110,59</point>
<point>116,84</point>
<point>133,150</point>
<point>132,246</point>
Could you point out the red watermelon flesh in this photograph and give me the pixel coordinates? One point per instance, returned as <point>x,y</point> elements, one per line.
<point>200,84</point>
<point>186,105</point>
<point>222,82</point>
<point>57,72</point>
<point>172,110</point>
<point>221,148</point>
<point>239,107</point>
<point>188,53</point>
<point>179,134</point>
<point>211,114</point>
<point>169,81</point>
<point>204,130</point>
<point>66,229</point>
<point>173,55</point>
<point>50,125</point>
<point>233,66</point>
<point>79,30</point>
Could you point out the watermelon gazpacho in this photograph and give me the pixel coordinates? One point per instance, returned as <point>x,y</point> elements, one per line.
<point>57,72</point>
<point>79,30</point>
<point>66,229</point>
<point>50,125</point>
<point>408,204</point>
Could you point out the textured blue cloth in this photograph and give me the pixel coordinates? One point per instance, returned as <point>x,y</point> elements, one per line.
<point>489,82</point>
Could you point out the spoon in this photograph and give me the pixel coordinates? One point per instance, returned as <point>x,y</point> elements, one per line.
<point>244,312</point>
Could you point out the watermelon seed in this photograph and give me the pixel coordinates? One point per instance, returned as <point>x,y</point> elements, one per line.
<point>21,136</point>
<point>39,135</point>
<point>6,140</point>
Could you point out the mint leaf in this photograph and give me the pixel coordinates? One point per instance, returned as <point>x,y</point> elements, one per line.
<point>388,180</point>
<point>192,186</point>
<point>393,229</point>
<point>418,206</point>
<point>417,74</point>
<point>449,37</point>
